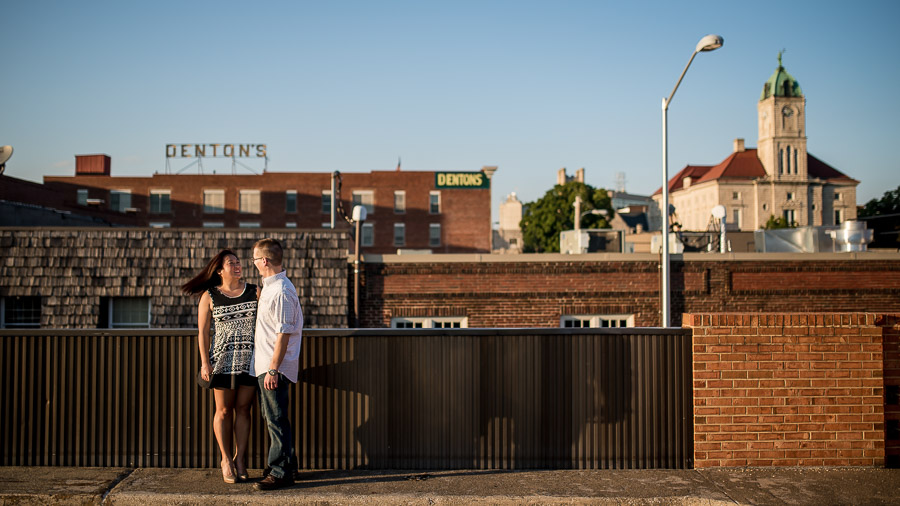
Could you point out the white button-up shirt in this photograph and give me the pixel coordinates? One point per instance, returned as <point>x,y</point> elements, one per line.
<point>278,312</point>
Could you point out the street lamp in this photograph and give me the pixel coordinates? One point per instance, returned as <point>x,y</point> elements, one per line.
<point>708,43</point>
<point>579,214</point>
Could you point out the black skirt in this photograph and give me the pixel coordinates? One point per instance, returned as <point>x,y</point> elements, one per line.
<point>232,381</point>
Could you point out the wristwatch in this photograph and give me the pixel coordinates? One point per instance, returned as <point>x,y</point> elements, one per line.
<point>273,372</point>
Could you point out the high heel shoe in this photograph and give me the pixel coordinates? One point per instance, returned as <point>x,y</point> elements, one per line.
<point>241,476</point>
<point>228,473</point>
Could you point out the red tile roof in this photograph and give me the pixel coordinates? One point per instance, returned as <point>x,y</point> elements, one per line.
<point>746,165</point>
<point>739,165</point>
<point>818,168</point>
<point>695,172</point>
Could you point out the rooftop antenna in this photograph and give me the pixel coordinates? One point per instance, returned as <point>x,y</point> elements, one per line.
<point>620,182</point>
<point>5,153</point>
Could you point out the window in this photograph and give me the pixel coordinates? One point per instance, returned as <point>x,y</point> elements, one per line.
<point>790,195</point>
<point>213,224</point>
<point>82,197</point>
<point>399,234</point>
<point>735,195</point>
<point>160,201</point>
<point>368,235</point>
<point>292,224</point>
<point>781,161</point>
<point>213,201</point>
<point>789,161</point>
<point>159,224</point>
<point>838,196</point>
<point>129,312</point>
<point>431,322</point>
<point>365,198</point>
<point>249,202</point>
<point>736,217</point>
<point>119,200</point>
<point>248,224</point>
<point>399,202</point>
<point>434,202</point>
<point>596,321</point>
<point>434,234</point>
<point>765,207</point>
<point>290,201</point>
<point>788,216</point>
<point>326,203</point>
<point>795,161</point>
<point>20,312</point>
<point>838,216</point>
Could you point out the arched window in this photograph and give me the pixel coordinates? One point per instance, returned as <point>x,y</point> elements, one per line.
<point>788,161</point>
<point>795,161</point>
<point>781,161</point>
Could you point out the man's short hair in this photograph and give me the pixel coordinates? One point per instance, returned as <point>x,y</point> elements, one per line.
<point>271,249</point>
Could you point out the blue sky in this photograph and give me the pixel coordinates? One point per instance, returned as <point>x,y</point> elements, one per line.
<point>528,86</point>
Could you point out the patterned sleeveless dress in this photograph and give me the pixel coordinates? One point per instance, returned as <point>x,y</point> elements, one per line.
<point>230,355</point>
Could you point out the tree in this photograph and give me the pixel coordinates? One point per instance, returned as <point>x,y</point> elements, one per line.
<point>889,203</point>
<point>542,221</point>
<point>780,222</point>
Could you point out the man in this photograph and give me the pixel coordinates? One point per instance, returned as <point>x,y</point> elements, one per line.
<point>279,324</point>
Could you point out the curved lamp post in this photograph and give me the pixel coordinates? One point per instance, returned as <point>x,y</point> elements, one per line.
<point>708,43</point>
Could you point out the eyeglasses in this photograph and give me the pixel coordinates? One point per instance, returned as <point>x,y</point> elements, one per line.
<point>260,258</point>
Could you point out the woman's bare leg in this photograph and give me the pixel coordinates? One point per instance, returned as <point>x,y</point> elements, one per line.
<point>223,426</point>
<point>245,396</point>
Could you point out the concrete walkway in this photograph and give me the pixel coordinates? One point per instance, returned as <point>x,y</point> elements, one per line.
<point>147,486</point>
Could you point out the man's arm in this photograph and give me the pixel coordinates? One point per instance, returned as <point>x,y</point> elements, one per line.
<point>281,344</point>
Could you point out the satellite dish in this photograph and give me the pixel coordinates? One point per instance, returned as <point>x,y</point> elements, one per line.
<point>5,153</point>
<point>718,212</point>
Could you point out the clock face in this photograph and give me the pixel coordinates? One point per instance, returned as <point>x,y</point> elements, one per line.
<point>787,111</point>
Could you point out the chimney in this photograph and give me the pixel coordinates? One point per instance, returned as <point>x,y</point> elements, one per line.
<point>739,145</point>
<point>92,165</point>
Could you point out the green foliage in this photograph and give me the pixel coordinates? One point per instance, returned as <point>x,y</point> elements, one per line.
<point>889,203</point>
<point>542,221</point>
<point>780,222</point>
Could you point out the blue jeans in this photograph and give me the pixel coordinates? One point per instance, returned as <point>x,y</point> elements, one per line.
<point>274,404</point>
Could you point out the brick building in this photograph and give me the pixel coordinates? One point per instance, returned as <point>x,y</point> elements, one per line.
<point>617,290</point>
<point>441,212</point>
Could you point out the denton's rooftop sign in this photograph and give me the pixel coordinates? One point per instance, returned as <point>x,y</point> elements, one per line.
<point>209,150</point>
<point>468,180</point>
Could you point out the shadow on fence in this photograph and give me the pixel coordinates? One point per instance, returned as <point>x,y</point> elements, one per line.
<point>376,399</point>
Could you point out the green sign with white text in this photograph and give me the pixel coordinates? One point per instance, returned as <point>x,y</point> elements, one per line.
<point>462,180</point>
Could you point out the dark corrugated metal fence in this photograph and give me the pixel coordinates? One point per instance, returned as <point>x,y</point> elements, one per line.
<point>385,398</point>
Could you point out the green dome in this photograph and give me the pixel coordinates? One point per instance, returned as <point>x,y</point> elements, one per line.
<point>781,84</point>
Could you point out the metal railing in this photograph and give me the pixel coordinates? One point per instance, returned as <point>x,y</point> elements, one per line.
<point>377,398</point>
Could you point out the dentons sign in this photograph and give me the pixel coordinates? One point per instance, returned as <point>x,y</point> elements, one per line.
<point>210,150</point>
<point>461,180</point>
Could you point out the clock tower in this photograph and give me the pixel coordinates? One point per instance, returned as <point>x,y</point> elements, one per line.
<point>782,127</point>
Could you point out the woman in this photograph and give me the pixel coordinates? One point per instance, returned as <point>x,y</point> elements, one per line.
<point>225,362</point>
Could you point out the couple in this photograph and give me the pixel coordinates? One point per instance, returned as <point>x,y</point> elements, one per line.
<point>256,344</point>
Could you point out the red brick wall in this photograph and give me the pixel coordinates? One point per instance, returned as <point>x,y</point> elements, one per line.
<point>890,325</point>
<point>788,389</point>
<point>534,290</point>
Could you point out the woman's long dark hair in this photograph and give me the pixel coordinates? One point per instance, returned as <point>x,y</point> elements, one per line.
<point>208,277</point>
